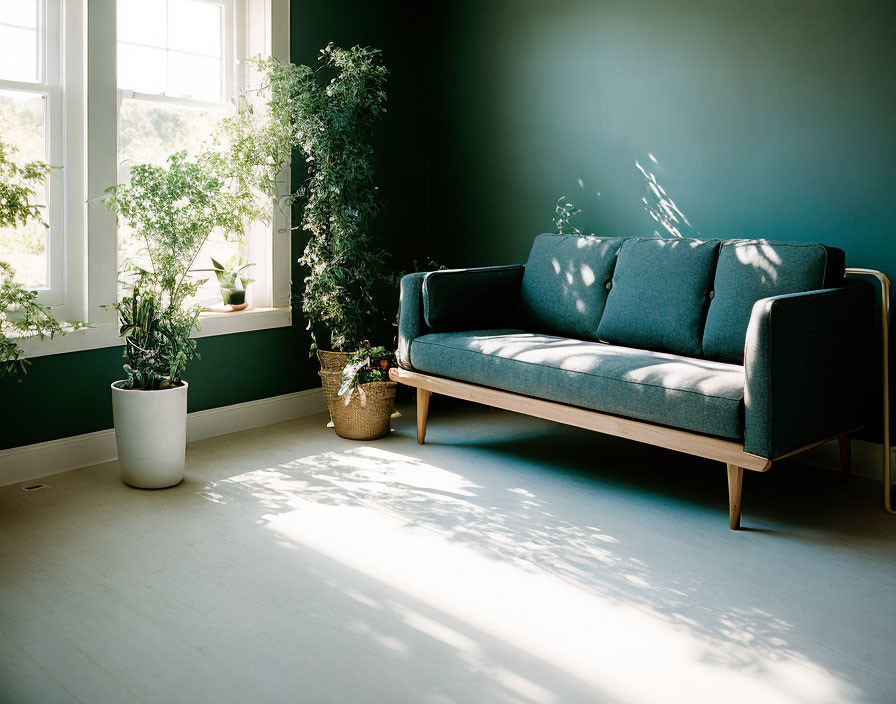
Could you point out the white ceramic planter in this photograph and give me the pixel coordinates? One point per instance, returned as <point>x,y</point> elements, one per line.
<point>151,435</point>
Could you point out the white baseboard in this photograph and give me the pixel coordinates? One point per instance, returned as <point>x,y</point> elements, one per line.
<point>22,464</point>
<point>867,458</point>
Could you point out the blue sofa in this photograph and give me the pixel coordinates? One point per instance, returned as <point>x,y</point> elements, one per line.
<point>744,351</point>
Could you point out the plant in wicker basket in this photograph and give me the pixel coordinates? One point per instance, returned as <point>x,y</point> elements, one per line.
<point>360,396</point>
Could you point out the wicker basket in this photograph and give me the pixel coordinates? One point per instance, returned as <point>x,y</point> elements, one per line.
<point>365,419</point>
<point>333,361</point>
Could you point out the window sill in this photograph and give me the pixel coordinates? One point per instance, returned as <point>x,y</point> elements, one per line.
<point>105,334</point>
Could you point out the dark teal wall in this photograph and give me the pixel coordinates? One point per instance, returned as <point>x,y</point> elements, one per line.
<point>69,394</point>
<point>770,118</point>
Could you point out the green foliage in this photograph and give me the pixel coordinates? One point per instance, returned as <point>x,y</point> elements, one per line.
<point>157,334</point>
<point>331,122</point>
<point>564,212</point>
<point>18,189</point>
<point>22,124</point>
<point>174,210</point>
<point>21,316</point>
<point>366,364</point>
<point>231,281</point>
<point>252,149</point>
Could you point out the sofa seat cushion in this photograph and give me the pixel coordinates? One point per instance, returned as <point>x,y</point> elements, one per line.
<point>566,284</point>
<point>682,392</point>
<point>750,270</point>
<point>659,295</point>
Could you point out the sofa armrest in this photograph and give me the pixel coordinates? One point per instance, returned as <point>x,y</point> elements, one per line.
<point>807,362</point>
<point>456,299</point>
<point>410,317</point>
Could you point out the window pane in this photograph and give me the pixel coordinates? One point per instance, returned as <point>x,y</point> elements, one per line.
<point>172,47</point>
<point>22,124</point>
<point>196,27</point>
<point>141,68</point>
<point>148,133</point>
<point>18,54</point>
<point>19,12</point>
<point>197,77</point>
<point>143,22</point>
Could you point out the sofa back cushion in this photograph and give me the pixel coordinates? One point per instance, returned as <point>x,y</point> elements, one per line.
<point>565,284</point>
<point>749,270</point>
<point>659,295</point>
<point>472,299</point>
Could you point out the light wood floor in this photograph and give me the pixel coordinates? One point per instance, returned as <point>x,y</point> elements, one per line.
<point>508,560</point>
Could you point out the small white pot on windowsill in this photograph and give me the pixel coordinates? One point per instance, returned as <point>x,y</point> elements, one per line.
<point>151,435</point>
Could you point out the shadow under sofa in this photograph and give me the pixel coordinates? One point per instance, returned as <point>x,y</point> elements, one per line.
<point>741,351</point>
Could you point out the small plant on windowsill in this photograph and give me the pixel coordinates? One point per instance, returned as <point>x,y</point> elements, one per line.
<point>360,397</point>
<point>233,282</point>
<point>21,316</point>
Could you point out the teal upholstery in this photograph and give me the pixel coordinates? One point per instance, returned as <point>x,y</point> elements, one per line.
<point>807,368</point>
<point>463,298</point>
<point>808,353</point>
<point>660,294</point>
<point>750,270</point>
<point>411,323</point>
<point>694,394</point>
<point>565,285</point>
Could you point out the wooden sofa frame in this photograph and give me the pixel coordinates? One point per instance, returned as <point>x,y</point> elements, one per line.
<point>728,451</point>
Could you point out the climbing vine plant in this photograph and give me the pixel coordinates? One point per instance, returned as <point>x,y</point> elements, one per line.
<point>328,114</point>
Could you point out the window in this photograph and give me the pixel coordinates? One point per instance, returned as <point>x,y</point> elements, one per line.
<point>93,86</point>
<point>176,63</point>
<point>32,120</point>
<point>176,48</point>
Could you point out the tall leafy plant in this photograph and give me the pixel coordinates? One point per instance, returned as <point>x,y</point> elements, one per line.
<point>329,115</point>
<point>174,209</point>
<point>21,316</point>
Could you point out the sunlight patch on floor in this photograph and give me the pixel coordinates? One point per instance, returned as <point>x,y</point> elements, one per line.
<point>384,514</point>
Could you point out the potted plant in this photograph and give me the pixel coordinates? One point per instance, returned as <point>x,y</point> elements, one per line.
<point>232,282</point>
<point>174,210</point>
<point>21,316</point>
<point>329,115</point>
<point>360,397</point>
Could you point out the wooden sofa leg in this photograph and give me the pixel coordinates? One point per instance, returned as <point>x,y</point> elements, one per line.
<point>422,412</point>
<point>845,454</point>
<point>735,486</point>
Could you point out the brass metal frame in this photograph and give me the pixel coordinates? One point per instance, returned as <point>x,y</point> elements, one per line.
<point>885,330</point>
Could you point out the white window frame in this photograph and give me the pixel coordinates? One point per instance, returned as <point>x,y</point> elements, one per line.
<point>57,73</point>
<point>234,21</point>
<point>91,128</point>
